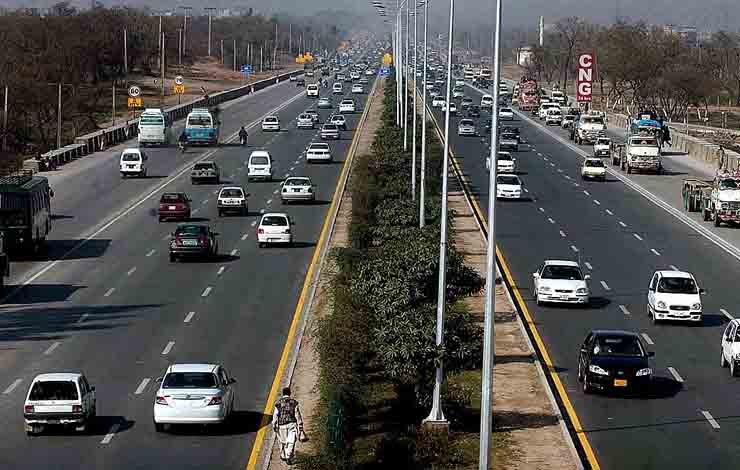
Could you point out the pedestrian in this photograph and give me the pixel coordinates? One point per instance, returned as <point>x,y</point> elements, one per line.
<point>288,425</point>
<point>667,135</point>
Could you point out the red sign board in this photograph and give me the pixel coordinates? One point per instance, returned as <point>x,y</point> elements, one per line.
<point>585,80</point>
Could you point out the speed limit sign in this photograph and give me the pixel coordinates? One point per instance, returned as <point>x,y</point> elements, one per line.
<point>134,91</point>
<point>179,80</point>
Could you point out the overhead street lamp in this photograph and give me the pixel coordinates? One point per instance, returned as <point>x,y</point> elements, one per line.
<point>422,186</point>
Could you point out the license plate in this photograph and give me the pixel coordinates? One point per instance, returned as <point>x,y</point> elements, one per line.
<point>172,208</point>
<point>132,166</point>
<point>620,383</point>
<point>563,297</point>
<point>190,242</point>
<point>296,190</point>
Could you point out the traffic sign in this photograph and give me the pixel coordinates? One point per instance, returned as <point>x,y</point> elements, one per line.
<point>246,68</point>
<point>385,71</point>
<point>179,80</point>
<point>179,89</point>
<point>387,59</point>
<point>134,91</point>
<point>135,102</point>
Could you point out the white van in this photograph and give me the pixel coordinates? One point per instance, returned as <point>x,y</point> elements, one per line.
<point>312,90</point>
<point>259,165</point>
<point>486,101</point>
<point>337,88</point>
<point>153,128</point>
<point>133,163</point>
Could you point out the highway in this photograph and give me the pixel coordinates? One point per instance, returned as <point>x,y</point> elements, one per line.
<point>621,238</point>
<point>118,310</point>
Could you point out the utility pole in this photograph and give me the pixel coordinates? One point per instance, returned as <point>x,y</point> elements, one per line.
<point>59,116</point>
<point>274,54</point>
<point>209,10</point>
<point>159,37</point>
<point>114,103</point>
<point>542,30</point>
<point>422,186</point>
<point>125,56</point>
<point>179,46</point>
<point>415,88</point>
<point>163,66</point>
<point>261,50</point>
<point>234,55</point>
<point>5,120</point>
<point>290,39</point>
<point>223,61</point>
<point>185,29</point>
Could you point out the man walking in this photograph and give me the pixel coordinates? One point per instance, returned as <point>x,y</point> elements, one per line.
<point>288,424</point>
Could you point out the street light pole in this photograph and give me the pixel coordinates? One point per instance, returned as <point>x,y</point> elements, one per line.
<point>422,186</point>
<point>436,416</point>
<point>59,116</point>
<point>5,119</point>
<point>209,10</point>
<point>179,46</point>
<point>413,148</point>
<point>406,85</point>
<point>125,56</point>
<point>486,415</point>
<point>234,55</point>
<point>185,29</point>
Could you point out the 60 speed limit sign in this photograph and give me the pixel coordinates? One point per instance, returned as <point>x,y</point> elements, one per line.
<point>179,80</point>
<point>134,91</point>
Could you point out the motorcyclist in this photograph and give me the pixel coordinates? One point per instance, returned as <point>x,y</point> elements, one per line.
<point>243,136</point>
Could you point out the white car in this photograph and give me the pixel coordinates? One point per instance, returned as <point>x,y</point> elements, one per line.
<point>674,295</point>
<point>369,72</point>
<point>560,281</point>
<point>453,108</point>
<point>429,85</point>
<point>274,227</point>
<point>318,152</point>
<point>553,117</point>
<point>459,83</point>
<point>506,114</point>
<point>357,88</point>
<point>593,168</point>
<point>59,399</point>
<point>271,123</point>
<point>305,121</point>
<point>312,90</point>
<point>324,103</point>
<point>337,88</point>
<point>486,101</point>
<point>259,165</point>
<point>508,187</point>
<point>438,102</point>
<point>466,127</point>
<point>731,347</point>
<point>458,92</point>
<point>347,106</point>
<point>505,163</point>
<point>339,121</point>
<point>232,199</point>
<point>194,394</point>
<point>297,188</point>
<point>330,131</point>
<point>602,147</point>
<point>133,163</point>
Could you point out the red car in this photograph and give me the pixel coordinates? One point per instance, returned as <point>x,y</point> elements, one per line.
<point>174,206</point>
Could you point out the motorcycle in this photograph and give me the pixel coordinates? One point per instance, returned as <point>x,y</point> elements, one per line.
<point>243,140</point>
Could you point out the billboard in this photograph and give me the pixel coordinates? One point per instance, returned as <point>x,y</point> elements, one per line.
<point>586,66</point>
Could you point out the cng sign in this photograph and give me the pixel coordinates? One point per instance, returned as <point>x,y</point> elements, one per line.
<point>584,84</point>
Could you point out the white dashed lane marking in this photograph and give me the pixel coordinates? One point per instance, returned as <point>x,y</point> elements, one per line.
<point>588,265</point>
<point>655,252</point>
<point>647,339</point>
<point>712,422</point>
<point>637,236</point>
<point>189,317</point>
<point>562,234</point>
<point>234,252</point>
<point>109,292</point>
<point>726,314</point>
<point>269,201</point>
<point>244,237</point>
<point>586,193</point>
<point>549,219</point>
<point>151,252</point>
<point>673,267</point>
<point>112,432</point>
<point>83,317</point>
<point>131,271</point>
<point>142,386</point>
<point>573,247</point>
<point>624,309</point>
<point>609,212</point>
<point>596,201</point>
<point>622,224</point>
<point>12,386</point>
<point>675,375</point>
<point>220,271</point>
<point>206,291</point>
<point>51,348</point>
<point>168,348</point>
<point>605,286</point>
<point>542,209</point>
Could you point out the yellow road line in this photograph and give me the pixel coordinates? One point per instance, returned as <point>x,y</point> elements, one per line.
<point>575,421</point>
<point>267,413</point>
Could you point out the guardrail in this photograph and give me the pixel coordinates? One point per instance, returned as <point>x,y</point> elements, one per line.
<point>103,138</point>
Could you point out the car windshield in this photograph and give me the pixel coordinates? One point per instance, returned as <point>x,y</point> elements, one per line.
<point>271,119</point>
<point>131,157</point>
<point>677,285</point>
<point>603,142</point>
<point>319,146</point>
<point>274,221</point>
<point>297,182</point>
<point>618,346</point>
<point>467,122</point>
<point>189,380</point>
<point>508,136</point>
<point>554,271</point>
<point>199,121</point>
<point>234,192</point>
<point>330,127</point>
<point>569,117</point>
<point>54,390</point>
<point>190,230</point>
<point>505,110</point>
<point>593,120</point>
<point>504,157</point>
<point>259,160</point>
<point>304,117</point>
<point>644,142</point>
<point>203,166</point>
<point>728,183</point>
<point>172,198</point>
<point>506,179</point>
<point>594,163</point>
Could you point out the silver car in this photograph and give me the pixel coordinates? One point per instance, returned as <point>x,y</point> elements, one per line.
<point>330,131</point>
<point>324,103</point>
<point>305,121</point>
<point>297,188</point>
<point>466,127</point>
<point>339,121</point>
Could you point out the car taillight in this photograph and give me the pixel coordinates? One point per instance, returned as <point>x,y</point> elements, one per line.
<point>76,408</point>
<point>204,240</point>
<point>178,241</point>
<point>161,400</point>
<point>28,409</point>
<point>260,231</point>
<point>216,401</point>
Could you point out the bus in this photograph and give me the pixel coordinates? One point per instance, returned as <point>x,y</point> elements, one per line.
<point>153,128</point>
<point>202,127</point>
<point>25,212</point>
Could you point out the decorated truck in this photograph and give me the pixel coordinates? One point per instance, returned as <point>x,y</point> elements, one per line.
<point>529,98</point>
<point>718,200</point>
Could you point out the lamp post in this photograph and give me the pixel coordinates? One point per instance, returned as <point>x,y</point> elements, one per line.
<point>406,85</point>
<point>436,416</point>
<point>209,10</point>
<point>413,137</point>
<point>422,186</point>
<point>185,29</point>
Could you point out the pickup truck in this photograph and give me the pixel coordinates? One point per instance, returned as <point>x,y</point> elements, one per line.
<point>588,128</point>
<point>643,154</point>
<point>718,200</point>
<point>602,147</point>
<point>205,172</point>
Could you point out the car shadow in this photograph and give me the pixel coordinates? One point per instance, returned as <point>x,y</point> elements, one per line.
<point>673,173</point>
<point>660,388</point>
<point>293,245</point>
<point>99,426</point>
<point>241,422</point>
<point>317,202</point>
<point>60,217</point>
<point>70,249</point>
<point>219,258</point>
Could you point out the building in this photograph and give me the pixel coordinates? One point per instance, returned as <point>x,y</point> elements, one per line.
<point>688,35</point>
<point>524,56</point>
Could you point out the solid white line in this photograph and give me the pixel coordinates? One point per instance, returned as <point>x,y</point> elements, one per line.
<point>586,193</point>
<point>562,234</point>
<point>605,285</point>
<point>549,219</point>
<point>109,292</point>
<point>573,247</point>
<point>609,212</point>
<point>712,422</point>
<point>727,314</point>
<point>624,309</point>
<point>206,291</point>
<point>588,265</point>
<point>596,201</point>
<point>12,386</point>
<point>108,437</point>
<point>244,237</point>
<point>205,201</point>
<point>142,386</point>
<point>647,339</point>
<point>655,252</point>
<point>622,224</point>
<point>269,201</point>
<point>262,211</point>
<point>151,252</point>
<point>559,170</point>
<point>131,271</point>
<point>542,209</point>
<point>51,348</point>
<point>189,317</point>
<point>234,252</point>
<point>637,236</point>
<point>675,374</point>
<point>83,317</point>
<point>275,192</point>
<point>567,177</point>
<point>168,348</point>
<point>220,271</point>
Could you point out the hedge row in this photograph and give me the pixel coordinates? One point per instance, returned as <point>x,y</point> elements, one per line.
<point>384,296</point>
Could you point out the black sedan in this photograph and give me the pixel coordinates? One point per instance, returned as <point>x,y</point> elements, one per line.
<point>614,360</point>
<point>193,240</point>
<point>473,111</point>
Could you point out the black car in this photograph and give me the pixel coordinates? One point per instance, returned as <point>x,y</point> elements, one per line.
<point>300,82</point>
<point>474,111</point>
<point>614,360</point>
<point>193,240</point>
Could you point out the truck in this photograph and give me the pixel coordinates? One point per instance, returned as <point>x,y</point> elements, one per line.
<point>25,212</point>
<point>154,128</point>
<point>718,200</point>
<point>642,153</point>
<point>646,127</point>
<point>588,128</point>
<point>529,98</point>
<point>202,127</point>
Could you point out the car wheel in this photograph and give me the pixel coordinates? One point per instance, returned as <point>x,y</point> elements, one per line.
<point>586,387</point>
<point>158,427</point>
<point>173,258</point>
<point>260,244</point>
<point>722,360</point>
<point>220,213</point>
<point>733,370</point>
<point>161,219</point>
<point>717,221</point>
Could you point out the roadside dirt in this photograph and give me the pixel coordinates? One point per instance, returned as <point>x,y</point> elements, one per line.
<point>305,377</point>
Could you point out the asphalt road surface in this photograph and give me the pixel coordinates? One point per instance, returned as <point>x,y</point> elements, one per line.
<point>117,309</point>
<point>621,238</point>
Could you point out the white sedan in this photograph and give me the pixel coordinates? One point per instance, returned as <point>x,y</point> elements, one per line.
<point>347,106</point>
<point>194,394</point>
<point>438,102</point>
<point>505,163</point>
<point>297,188</point>
<point>674,295</point>
<point>453,108</point>
<point>508,187</point>
<point>593,168</point>
<point>506,114</point>
<point>274,227</point>
<point>318,152</point>
<point>271,123</point>
<point>561,282</point>
<point>357,89</point>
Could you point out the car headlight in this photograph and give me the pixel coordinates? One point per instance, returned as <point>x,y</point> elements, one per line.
<point>661,304</point>
<point>173,244</point>
<point>725,205</point>
<point>545,289</point>
<point>696,306</point>
<point>582,290</point>
<point>594,369</point>
<point>644,372</point>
